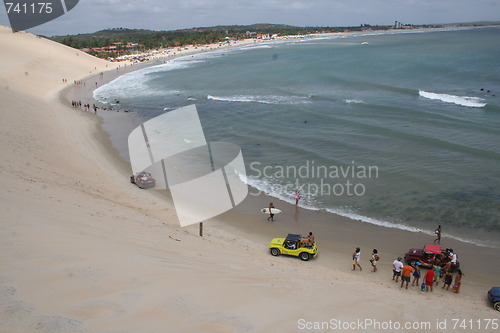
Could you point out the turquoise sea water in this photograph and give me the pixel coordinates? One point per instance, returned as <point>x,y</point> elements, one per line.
<point>396,129</point>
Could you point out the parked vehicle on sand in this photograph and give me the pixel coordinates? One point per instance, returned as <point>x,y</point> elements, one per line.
<point>292,245</point>
<point>430,255</point>
<point>143,180</point>
<point>494,297</point>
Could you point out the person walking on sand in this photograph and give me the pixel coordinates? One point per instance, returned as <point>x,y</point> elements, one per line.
<point>438,234</point>
<point>429,279</point>
<point>458,281</point>
<point>356,256</point>
<point>397,265</point>
<point>271,214</point>
<point>406,275</point>
<point>375,258</point>
<point>416,275</point>
<point>297,197</point>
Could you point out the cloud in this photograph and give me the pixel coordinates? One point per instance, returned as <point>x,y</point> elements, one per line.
<point>93,15</point>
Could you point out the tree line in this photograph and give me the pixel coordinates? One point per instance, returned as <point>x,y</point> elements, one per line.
<point>149,39</point>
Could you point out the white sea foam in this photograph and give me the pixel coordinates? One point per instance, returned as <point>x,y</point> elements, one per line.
<point>353,101</point>
<point>133,84</point>
<point>272,99</point>
<point>260,46</point>
<point>277,191</point>
<point>114,89</point>
<point>473,102</point>
<point>208,54</point>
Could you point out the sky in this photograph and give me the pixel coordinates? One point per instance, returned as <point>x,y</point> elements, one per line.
<point>94,15</point>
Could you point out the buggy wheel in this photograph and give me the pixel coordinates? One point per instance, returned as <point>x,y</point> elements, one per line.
<point>304,256</point>
<point>275,252</point>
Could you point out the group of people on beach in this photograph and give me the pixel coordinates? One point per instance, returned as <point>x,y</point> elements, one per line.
<point>78,104</point>
<point>406,272</point>
<point>431,277</point>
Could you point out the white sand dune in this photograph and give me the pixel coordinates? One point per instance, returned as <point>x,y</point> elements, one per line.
<point>84,251</point>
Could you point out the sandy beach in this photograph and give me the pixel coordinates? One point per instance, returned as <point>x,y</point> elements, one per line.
<point>83,250</point>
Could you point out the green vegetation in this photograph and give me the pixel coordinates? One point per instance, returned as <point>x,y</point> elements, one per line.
<point>157,39</point>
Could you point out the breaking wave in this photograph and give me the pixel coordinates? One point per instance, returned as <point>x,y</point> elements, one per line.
<point>473,102</point>
<point>261,99</point>
<point>353,101</point>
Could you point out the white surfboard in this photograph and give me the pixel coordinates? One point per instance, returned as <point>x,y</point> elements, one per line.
<point>273,210</point>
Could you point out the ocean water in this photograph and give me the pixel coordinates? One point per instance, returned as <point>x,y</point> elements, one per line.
<point>396,129</point>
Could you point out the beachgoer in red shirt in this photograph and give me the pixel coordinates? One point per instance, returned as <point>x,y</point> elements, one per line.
<point>429,279</point>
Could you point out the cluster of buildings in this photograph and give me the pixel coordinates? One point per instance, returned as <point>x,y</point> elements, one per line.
<point>399,25</point>
<point>253,34</point>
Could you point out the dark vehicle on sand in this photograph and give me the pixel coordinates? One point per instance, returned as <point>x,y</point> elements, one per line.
<point>143,180</point>
<point>494,297</point>
<point>430,255</point>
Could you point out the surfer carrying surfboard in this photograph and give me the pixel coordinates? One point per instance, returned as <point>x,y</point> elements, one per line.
<point>271,215</point>
<point>271,210</point>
